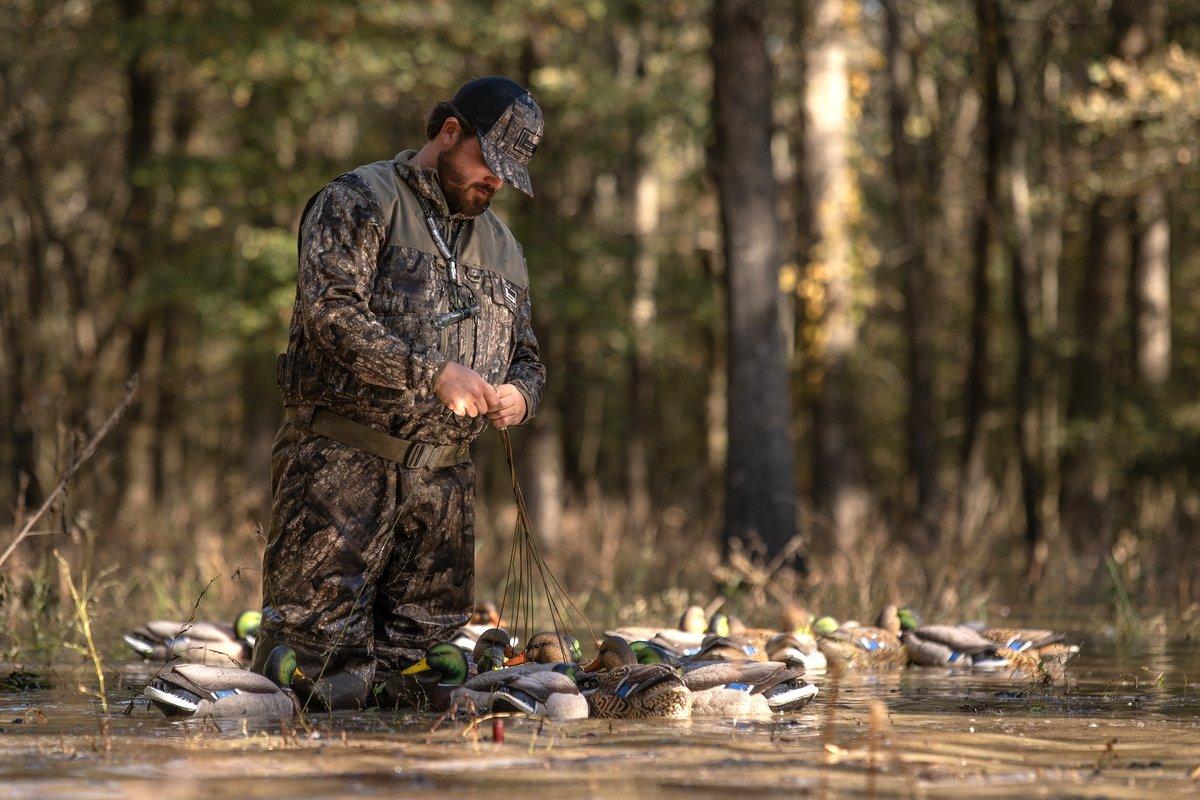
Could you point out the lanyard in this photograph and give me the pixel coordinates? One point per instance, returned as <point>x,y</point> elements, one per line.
<point>460,309</point>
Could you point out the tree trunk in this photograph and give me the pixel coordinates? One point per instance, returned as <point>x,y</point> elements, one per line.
<point>760,506</point>
<point>975,401</point>
<point>924,437</point>
<point>1022,248</point>
<point>142,93</point>
<point>841,498</point>
<point>1152,289</point>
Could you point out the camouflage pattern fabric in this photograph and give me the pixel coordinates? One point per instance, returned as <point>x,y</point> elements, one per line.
<point>512,141</point>
<point>369,563</point>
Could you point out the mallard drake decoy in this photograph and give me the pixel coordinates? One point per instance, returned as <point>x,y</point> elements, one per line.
<point>859,646</point>
<point>197,642</point>
<point>955,646</point>
<point>548,647</point>
<point>782,686</point>
<point>430,682</point>
<point>621,688</point>
<point>202,690</point>
<point>745,688</point>
<point>539,690</point>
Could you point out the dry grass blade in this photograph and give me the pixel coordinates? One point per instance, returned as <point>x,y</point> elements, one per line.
<point>88,450</point>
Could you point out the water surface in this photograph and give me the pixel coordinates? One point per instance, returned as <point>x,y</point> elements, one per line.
<point>1124,725</point>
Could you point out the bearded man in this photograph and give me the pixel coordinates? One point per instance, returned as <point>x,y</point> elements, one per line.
<point>410,333</point>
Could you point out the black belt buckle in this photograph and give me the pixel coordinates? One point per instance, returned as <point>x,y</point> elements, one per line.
<point>419,456</point>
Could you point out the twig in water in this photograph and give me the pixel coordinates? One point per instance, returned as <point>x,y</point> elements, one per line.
<point>73,467</point>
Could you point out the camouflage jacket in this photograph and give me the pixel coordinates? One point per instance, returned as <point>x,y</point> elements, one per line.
<point>371,280</point>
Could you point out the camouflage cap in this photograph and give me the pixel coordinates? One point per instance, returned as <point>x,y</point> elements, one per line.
<point>509,125</point>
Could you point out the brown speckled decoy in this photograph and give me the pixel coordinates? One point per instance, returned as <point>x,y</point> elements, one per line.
<point>618,687</point>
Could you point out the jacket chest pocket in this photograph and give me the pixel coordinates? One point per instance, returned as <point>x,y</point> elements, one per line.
<point>408,294</point>
<point>488,343</point>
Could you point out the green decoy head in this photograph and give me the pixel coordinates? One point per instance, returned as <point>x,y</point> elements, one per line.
<point>718,623</point>
<point>825,626</point>
<point>245,627</point>
<point>570,670</point>
<point>282,666</point>
<point>490,659</point>
<point>447,661</point>
<point>910,620</point>
<point>492,638</point>
<point>646,653</point>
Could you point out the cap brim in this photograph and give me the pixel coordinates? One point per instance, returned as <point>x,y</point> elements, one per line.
<point>507,168</point>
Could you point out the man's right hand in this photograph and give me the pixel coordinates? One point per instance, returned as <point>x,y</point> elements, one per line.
<point>464,391</point>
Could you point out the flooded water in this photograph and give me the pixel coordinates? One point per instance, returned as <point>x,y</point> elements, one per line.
<point>1125,725</point>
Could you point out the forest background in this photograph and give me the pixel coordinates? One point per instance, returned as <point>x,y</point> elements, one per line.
<point>840,300</point>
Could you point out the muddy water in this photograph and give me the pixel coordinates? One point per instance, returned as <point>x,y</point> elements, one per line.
<point>1125,725</point>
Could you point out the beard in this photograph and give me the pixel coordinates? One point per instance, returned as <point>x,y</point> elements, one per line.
<point>464,199</point>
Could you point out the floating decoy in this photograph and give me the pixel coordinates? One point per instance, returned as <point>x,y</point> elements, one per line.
<point>618,687</point>
<point>197,642</point>
<point>202,690</point>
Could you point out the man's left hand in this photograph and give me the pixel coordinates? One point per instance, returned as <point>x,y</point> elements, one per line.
<point>509,408</point>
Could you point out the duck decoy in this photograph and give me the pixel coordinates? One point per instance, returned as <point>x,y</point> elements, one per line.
<point>202,690</point>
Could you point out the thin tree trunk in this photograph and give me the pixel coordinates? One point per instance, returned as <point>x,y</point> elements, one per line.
<point>924,437</point>
<point>142,94</point>
<point>760,506</point>
<point>1023,254</point>
<point>1152,289</point>
<point>987,14</point>
<point>1051,245</point>
<point>841,498</point>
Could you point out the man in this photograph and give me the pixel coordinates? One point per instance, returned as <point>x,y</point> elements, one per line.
<point>410,333</point>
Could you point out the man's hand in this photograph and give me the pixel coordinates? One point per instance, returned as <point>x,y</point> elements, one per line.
<point>464,391</point>
<point>509,408</point>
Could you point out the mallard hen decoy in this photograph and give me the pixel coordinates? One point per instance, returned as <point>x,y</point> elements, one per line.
<point>548,647</point>
<point>202,690</point>
<point>197,642</point>
<point>859,646</point>
<point>621,688</point>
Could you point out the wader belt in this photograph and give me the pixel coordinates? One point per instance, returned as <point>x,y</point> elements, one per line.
<point>412,455</point>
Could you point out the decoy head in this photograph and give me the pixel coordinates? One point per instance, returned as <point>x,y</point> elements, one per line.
<point>245,627</point>
<point>910,620</point>
<point>548,647</point>
<point>718,623</point>
<point>445,660</point>
<point>485,613</point>
<point>693,620</point>
<point>614,652</point>
<point>889,619</point>
<point>490,659</point>
<point>489,639</point>
<point>282,666</point>
<point>796,620</point>
<point>825,626</point>
<point>646,653</point>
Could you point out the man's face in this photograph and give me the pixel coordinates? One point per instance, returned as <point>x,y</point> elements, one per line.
<point>467,182</point>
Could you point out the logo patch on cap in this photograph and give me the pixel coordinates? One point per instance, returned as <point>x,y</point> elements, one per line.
<point>526,143</point>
